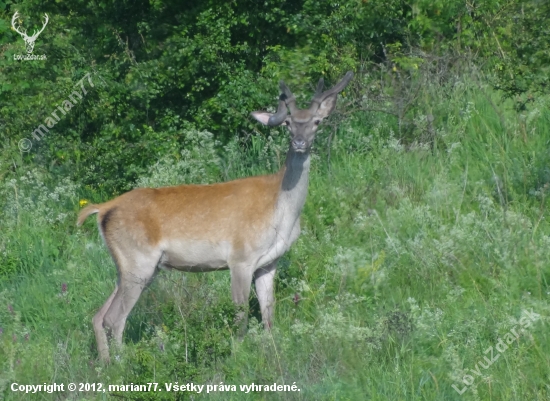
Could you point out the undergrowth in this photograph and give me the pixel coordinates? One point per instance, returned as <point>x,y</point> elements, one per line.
<point>414,259</point>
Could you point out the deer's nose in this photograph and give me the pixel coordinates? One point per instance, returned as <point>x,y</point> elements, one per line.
<point>299,143</point>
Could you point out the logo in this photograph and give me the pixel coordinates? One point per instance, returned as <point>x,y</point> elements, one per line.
<point>29,40</point>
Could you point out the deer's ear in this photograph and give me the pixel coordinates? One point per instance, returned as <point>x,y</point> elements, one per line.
<point>326,106</point>
<point>261,116</point>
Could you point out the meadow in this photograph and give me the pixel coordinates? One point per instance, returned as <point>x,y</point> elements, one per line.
<point>416,261</point>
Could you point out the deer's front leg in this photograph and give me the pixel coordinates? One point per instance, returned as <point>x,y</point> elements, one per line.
<point>241,279</point>
<point>264,279</point>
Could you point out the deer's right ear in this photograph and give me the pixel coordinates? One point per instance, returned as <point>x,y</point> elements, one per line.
<point>261,116</point>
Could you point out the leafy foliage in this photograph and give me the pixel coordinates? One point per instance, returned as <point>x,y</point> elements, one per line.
<point>159,67</point>
<point>424,234</point>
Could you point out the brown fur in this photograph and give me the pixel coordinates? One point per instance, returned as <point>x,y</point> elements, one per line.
<point>84,213</point>
<point>235,211</point>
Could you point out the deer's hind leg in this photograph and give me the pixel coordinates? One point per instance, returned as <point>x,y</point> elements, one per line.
<point>136,270</point>
<point>100,334</point>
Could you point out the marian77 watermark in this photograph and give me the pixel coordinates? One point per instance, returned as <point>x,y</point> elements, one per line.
<point>25,144</point>
<point>493,353</point>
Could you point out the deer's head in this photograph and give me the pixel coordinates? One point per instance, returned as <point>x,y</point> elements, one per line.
<point>303,123</point>
<point>29,40</point>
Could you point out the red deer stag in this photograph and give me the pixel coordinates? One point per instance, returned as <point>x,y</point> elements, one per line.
<point>244,225</point>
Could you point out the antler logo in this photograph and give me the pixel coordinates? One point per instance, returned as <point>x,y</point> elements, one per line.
<point>29,40</point>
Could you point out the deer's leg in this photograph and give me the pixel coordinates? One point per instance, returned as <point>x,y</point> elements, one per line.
<point>135,274</point>
<point>265,291</point>
<point>100,334</point>
<point>241,280</point>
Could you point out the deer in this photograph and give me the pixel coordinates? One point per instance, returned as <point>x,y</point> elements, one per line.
<point>29,40</point>
<point>244,225</point>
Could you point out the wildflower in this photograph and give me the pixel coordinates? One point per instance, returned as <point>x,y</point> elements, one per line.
<point>83,202</point>
<point>296,299</point>
<point>64,287</point>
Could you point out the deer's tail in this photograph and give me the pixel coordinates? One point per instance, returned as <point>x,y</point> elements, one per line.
<point>84,213</point>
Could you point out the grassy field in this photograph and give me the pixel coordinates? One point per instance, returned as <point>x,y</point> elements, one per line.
<point>420,273</point>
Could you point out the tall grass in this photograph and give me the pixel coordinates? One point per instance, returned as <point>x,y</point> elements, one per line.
<point>413,261</point>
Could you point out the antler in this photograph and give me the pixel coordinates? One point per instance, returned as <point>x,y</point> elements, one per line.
<point>289,98</point>
<point>286,99</point>
<point>320,95</point>
<point>280,115</point>
<point>24,34</point>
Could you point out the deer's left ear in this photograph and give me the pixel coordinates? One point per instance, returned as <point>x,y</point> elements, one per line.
<point>261,116</point>
<point>326,106</point>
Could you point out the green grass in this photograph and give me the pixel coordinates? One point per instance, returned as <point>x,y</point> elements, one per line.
<point>412,262</point>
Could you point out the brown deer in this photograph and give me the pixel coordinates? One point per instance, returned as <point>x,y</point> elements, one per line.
<point>244,225</point>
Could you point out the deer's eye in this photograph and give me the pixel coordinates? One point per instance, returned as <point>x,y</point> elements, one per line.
<point>317,122</point>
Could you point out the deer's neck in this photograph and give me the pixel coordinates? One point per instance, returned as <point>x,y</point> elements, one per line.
<point>294,183</point>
